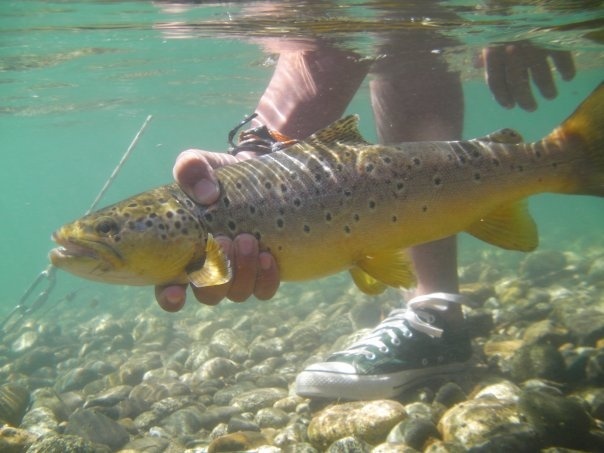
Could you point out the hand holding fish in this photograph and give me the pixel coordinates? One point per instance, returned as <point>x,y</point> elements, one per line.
<point>255,273</point>
<point>510,67</point>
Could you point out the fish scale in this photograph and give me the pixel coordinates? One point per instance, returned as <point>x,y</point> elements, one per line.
<point>335,202</point>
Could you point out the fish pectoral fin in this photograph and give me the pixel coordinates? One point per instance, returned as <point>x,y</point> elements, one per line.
<point>366,282</point>
<point>509,226</point>
<point>215,270</point>
<point>388,267</point>
<point>508,136</point>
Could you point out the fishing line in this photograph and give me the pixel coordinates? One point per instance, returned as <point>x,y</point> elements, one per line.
<point>48,274</point>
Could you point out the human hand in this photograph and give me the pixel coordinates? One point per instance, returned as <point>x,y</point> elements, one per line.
<point>254,272</point>
<point>509,68</point>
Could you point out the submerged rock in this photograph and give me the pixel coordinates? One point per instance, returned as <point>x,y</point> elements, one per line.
<point>97,428</point>
<point>369,421</point>
<point>14,400</point>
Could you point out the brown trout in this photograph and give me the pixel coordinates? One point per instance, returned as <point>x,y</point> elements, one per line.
<point>335,202</point>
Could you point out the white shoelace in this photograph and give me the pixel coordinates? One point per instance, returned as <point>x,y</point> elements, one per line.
<point>416,317</point>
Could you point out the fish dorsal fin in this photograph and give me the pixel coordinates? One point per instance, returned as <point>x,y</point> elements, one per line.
<point>345,130</point>
<point>388,267</point>
<point>507,136</point>
<point>509,226</point>
<point>216,269</point>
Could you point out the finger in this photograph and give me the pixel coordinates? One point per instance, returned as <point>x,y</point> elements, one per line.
<point>542,76</point>
<point>563,61</point>
<point>212,295</point>
<point>517,76</point>
<point>267,281</point>
<point>194,172</point>
<point>171,298</point>
<point>495,74</point>
<point>245,263</point>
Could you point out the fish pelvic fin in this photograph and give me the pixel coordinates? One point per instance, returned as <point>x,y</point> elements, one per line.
<point>510,226</point>
<point>215,270</point>
<point>583,132</point>
<point>374,271</point>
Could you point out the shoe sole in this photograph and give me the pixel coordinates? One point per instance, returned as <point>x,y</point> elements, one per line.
<point>321,384</point>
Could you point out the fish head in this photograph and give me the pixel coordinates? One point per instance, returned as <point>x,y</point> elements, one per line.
<point>154,238</point>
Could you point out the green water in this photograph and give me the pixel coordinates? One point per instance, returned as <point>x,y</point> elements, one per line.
<point>77,79</point>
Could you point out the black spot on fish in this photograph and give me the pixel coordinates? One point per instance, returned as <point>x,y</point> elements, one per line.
<point>371,204</point>
<point>162,200</point>
<point>226,202</point>
<point>400,186</point>
<point>282,211</point>
<point>161,226</point>
<point>437,181</point>
<point>283,188</point>
<point>280,223</point>
<point>238,185</point>
<point>306,229</point>
<point>133,205</point>
<point>369,168</point>
<point>394,219</point>
<point>424,208</point>
<point>520,168</point>
<point>475,153</point>
<point>339,167</point>
<point>386,159</point>
<point>169,214</point>
<point>495,162</point>
<point>252,209</point>
<point>348,193</point>
<point>328,216</point>
<point>117,238</point>
<point>184,231</point>
<point>417,161</point>
<point>268,185</point>
<point>257,235</point>
<point>180,211</point>
<point>149,223</point>
<point>477,176</point>
<point>297,202</point>
<point>317,177</point>
<point>232,226</point>
<point>209,217</point>
<point>347,229</point>
<point>279,247</point>
<point>189,203</point>
<point>177,224</point>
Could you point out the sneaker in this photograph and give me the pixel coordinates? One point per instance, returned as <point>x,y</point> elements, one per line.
<point>408,347</point>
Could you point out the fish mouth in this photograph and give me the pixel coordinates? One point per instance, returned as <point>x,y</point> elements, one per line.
<point>77,249</point>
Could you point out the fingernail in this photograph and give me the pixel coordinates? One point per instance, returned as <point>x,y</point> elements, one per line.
<point>206,191</point>
<point>265,261</point>
<point>245,245</point>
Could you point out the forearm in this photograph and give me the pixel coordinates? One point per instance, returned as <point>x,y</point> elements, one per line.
<point>310,89</point>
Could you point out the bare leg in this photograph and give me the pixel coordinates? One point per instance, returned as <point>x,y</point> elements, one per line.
<point>414,102</point>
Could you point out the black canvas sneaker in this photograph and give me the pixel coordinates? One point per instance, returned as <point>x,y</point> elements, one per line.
<point>408,347</point>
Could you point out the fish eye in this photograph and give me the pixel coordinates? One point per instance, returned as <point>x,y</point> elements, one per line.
<point>106,226</point>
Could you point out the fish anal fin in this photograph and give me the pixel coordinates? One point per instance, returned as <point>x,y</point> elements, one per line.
<point>366,282</point>
<point>509,226</point>
<point>389,267</point>
<point>509,136</point>
<point>215,270</point>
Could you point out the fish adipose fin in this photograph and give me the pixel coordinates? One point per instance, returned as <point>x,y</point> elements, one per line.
<point>509,226</point>
<point>583,131</point>
<point>388,267</point>
<point>509,136</point>
<point>216,269</point>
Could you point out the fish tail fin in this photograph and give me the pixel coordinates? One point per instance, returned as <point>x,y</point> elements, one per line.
<point>583,132</point>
